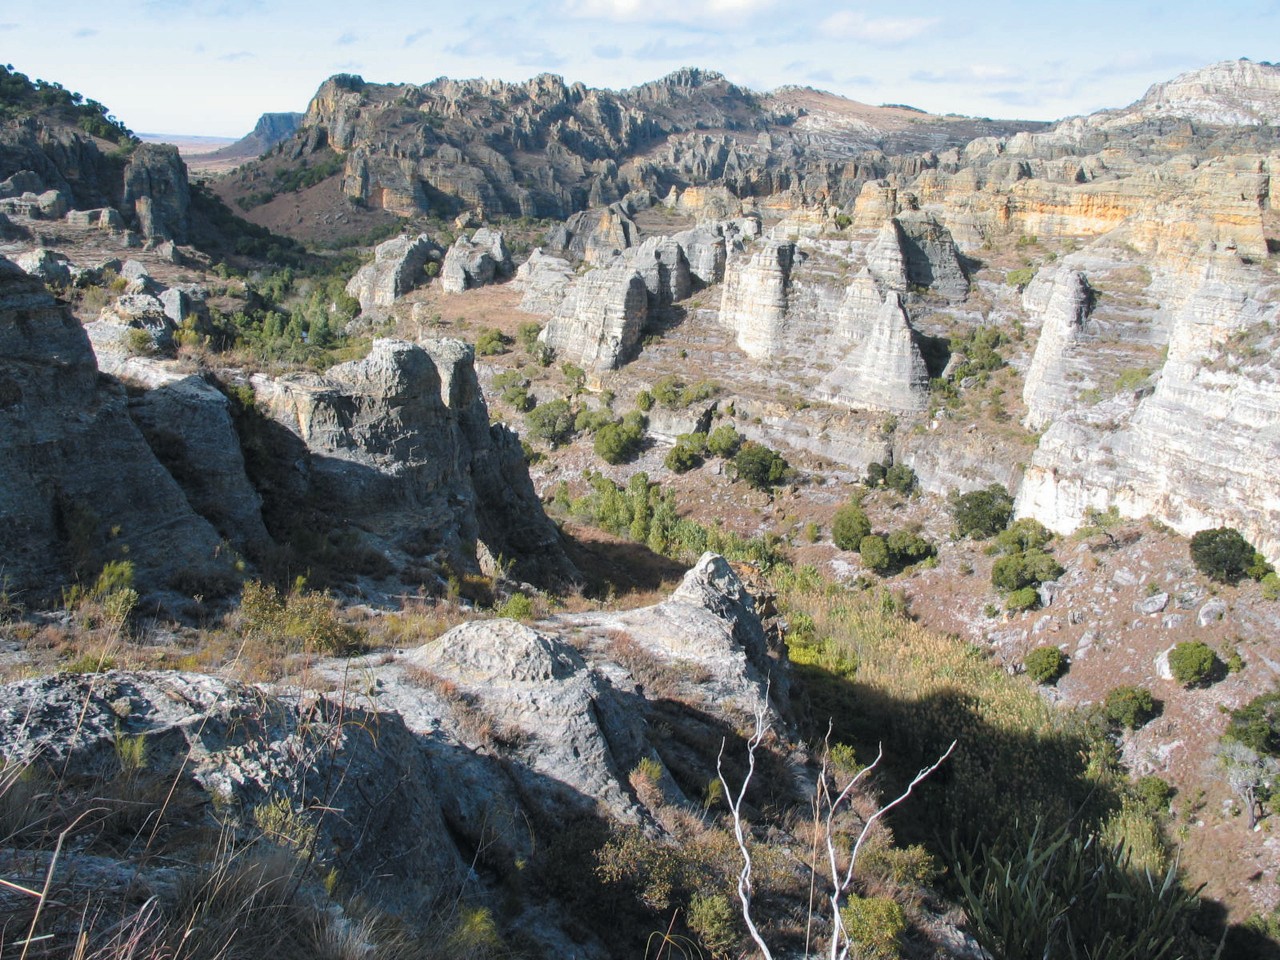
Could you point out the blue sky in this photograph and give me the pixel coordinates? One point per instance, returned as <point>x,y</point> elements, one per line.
<point>212,66</point>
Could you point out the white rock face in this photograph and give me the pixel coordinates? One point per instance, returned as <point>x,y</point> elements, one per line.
<point>664,268</point>
<point>544,280</point>
<point>754,303</point>
<point>884,369</point>
<point>1201,450</point>
<point>475,262</point>
<point>704,247</point>
<point>1232,92</point>
<point>396,269</point>
<point>1064,321</point>
<point>598,325</point>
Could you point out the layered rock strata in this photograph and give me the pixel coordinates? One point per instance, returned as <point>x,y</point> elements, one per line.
<point>883,369</point>
<point>600,321</point>
<point>398,267</point>
<point>754,302</point>
<point>1048,388</point>
<point>475,262</point>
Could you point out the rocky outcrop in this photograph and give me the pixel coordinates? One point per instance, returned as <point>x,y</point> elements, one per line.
<point>1228,93</point>
<point>664,268</point>
<point>754,302</point>
<point>595,236</point>
<point>883,369</point>
<point>1198,451</point>
<point>398,267</point>
<point>78,483</point>
<point>156,193</point>
<point>706,250</point>
<point>475,262</point>
<point>914,249</point>
<point>1048,387</point>
<point>271,129</point>
<point>599,323</point>
<point>401,444</point>
<point>47,266</point>
<point>544,280</point>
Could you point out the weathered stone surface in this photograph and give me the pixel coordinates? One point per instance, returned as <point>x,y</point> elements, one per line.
<point>754,302</point>
<point>475,262</point>
<point>1049,387</point>
<point>398,267</point>
<point>401,442</point>
<point>883,369</point>
<point>915,249</point>
<point>664,268</point>
<point>106,218</point>
<point>46,265</point>
<point>599,323</point>
<point>1198,451</point>
<point>73,466</point>
<point>545,281</point>
<point>156,192</point>
<point>596,236</point>
<point>705,249</point>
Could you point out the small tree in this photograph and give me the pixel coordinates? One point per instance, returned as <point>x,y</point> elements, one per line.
<point>552,421</point>
<point>724,441</point>
<point>1224,555</point>
<point>850,526</point>
<point>1193,663</point>
<point>759,466</point>
<point>1045,664</point>
<point>900,477</point>
<point>875,554</point>
<point>1129,707</point>
<point>981,513</point>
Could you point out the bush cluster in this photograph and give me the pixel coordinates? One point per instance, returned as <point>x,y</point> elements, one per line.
<point>1130,707</point>
<point>1224,555</point>
<point>1193,663</point>
<point>1045,664</point>
<point>981,513</point>
<point>761,467</point>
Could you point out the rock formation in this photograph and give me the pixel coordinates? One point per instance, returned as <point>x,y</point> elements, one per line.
<point>664,268</point>
<point>599,323</point>
<point>883,369</point>
<point>913,249</point>
<point>156,193</point>
<point>754,303</point>
<point>78,483</point>
<point>475,262</point>
<point>545,281</point>
<point>706,250</point>
<point>397,267</point>
<point>401,443</point>
<point>1064,320</point>
<point>1198,451</point>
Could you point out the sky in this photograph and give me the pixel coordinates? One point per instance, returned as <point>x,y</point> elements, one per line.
<point>211,67</point>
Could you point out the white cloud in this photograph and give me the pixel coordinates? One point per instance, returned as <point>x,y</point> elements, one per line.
<point>979,73</point>
<point>851,25</point>
<point>679,11</point>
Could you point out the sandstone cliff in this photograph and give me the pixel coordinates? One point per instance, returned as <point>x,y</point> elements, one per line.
<point>599,323</point>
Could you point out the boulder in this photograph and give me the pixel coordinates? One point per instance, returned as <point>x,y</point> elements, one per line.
<point>397,267</point>
<point>46,265</point>
<point>475,262</point>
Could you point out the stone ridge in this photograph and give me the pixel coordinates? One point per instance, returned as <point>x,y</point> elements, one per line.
<point>1230,93</point>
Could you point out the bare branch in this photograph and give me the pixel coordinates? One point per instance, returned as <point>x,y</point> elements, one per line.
<point>735,808</point>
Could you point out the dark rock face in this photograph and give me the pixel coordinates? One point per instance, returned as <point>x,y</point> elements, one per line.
<point>156,192</point>
<point>270,129</point>
<point>78,482</point>
<point>545,148</point>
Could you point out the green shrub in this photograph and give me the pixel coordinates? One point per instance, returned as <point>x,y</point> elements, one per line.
<point>491,342</point>
<point>1257,724</point>
<point>1071,895</point>
<point>1026,569</point>
<point>687,453</point>
<point>619,442</point>
<point>875,475</point>
<point>713,918</point>
<point>1027,598</point>
<point>644,401</point>
<point>589,421</point>
<point>1270,586</point>
<point>875,926</point>
<point>1019,278</point>
<point>552,421</point>
<point>850,526</point>
<point>1023,535</point>
<point>1154,793</point>
<point>907,548</point>
<point>515,607</point>
<point>981,513</point>
<point>875,554</point>
<point>724,441</point>
<point>761,467</point>
<point>1222,554</point>
<point>1129,707</point>
<point>1193,663</point>
<point>1045,664</point>
<point>900,477</point>
<point>669,391</point>
<point>527,334</point>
